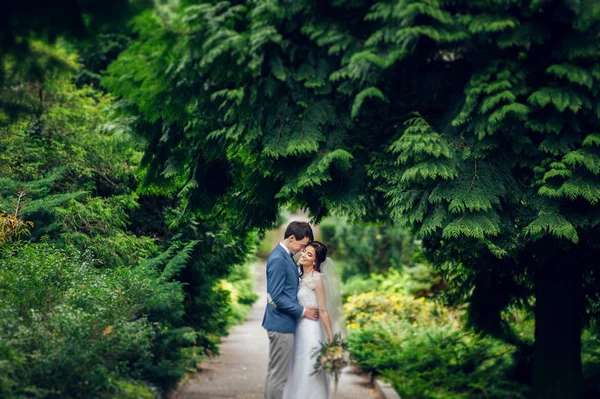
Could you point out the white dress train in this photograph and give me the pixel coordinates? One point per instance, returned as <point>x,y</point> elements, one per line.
<point>300,383</point>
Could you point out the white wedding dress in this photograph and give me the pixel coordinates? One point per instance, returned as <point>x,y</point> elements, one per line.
<point>300,383</point>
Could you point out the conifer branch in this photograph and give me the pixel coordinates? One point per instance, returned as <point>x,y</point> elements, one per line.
<point>303,119</point>
<point>462,144</point>
<point>105,177</point>
<point>281,124</point>
<point>474,177</point>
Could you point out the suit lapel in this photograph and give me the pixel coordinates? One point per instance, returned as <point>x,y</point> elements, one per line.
<point>288,257</point>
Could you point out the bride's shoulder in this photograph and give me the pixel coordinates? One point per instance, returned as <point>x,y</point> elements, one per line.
<point>312,279</point>
<point>316,275</point>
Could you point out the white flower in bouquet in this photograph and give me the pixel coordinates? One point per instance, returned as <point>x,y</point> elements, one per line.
<point>331,357</point>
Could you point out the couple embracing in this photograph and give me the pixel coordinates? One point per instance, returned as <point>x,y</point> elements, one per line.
<point>303,310</point>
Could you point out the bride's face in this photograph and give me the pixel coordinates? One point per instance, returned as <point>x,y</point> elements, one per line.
<point>307,256</point>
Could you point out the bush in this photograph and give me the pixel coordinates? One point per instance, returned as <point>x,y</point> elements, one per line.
<point>132,320</point>
<point>359,284</point>
<point>266,242</point>
<point>591,361</point>
<point>68,329</point>
<point>435,362</point>
<point>423,349</point>
<point>364,309</point>
<point>368,249</point>
<point>417,281</point>
<point>240,284</point>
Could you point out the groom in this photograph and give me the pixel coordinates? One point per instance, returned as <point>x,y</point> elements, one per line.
<point>283,310</point>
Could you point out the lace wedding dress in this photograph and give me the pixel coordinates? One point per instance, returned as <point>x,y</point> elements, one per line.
<point>300,383</point>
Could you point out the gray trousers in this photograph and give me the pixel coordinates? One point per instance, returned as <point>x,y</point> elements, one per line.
<point>281,346</point>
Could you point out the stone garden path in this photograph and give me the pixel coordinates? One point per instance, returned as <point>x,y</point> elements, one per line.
<point>240,371</point>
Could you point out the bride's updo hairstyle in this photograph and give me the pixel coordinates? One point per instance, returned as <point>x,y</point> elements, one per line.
<point>320,253</point>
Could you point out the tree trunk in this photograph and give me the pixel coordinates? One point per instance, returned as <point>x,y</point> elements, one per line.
<point>559,309</point>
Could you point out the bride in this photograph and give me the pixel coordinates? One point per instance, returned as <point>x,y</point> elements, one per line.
<point>319,288</point>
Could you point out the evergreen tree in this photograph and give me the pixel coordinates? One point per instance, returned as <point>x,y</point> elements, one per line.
<point>472,122</point>
<point>30,29</point>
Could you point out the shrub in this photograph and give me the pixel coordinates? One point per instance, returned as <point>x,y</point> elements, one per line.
<point>435,362</point>
<point>423,349</point>
<point>266,242</point>
<point>359,284</point>
<point>368,249</point>
<point>364,309</point>
<point>240,284</point>
<point>68,329</point>
<point>374,348</point>
<point>590,355</point>
<point>417,281</point>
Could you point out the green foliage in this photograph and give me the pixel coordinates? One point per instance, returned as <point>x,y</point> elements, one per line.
<point>483,145</point>
<point>96,55</point>
<point>203,258</point>
<point>382,306</point>
<point>367,249</point>
<point>591,361</point>
<point>419,281</point>
<point>424,349</point>
<point>104,231</point>
<point>226,54</point>
<point>266,243</point>
<point>147,297</point>
<point>24,27</point>
<point>371,92</point>
<point>72,330</point>
<point>240,284</point>
<point>72,180</point>
<point>358,284</point>
<point>437,362</point>
<point>24,77</point>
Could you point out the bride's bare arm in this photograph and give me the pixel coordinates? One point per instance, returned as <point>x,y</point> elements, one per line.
<point>323,315</point>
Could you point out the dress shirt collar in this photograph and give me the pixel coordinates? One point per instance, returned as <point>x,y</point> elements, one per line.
<point>286,249</point>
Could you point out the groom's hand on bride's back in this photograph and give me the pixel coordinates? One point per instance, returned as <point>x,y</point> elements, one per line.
<point>311,313</point>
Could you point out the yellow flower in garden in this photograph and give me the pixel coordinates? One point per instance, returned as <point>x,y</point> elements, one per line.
<point>381,307</point>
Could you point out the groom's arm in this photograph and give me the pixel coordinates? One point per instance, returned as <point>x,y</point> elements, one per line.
<point>276,285</point>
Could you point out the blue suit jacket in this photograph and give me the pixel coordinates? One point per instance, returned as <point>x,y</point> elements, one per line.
<point>282,286</point>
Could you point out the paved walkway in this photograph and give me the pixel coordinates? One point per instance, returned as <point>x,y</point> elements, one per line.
<point>240,371</point>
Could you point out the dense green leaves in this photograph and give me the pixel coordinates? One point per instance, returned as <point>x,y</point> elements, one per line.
<point>110,273</point>
<point>73,330</point>
<point>250,106</point>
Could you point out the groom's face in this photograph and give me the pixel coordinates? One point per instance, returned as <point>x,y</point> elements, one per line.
<point>297,245</point>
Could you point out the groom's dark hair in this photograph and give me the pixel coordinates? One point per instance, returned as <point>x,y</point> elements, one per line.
<point>299,230</point>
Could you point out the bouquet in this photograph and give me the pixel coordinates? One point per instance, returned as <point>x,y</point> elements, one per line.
<point>331,357</point>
